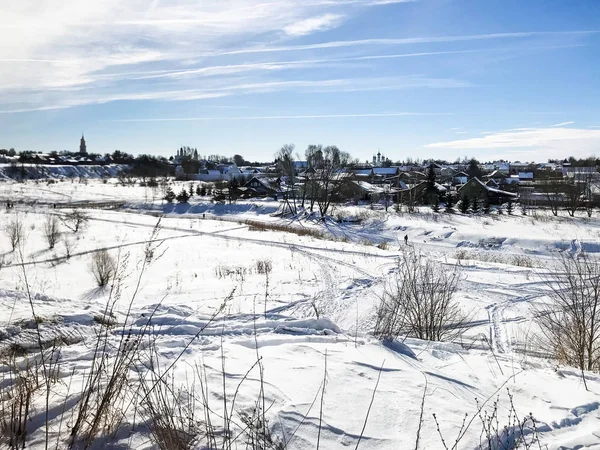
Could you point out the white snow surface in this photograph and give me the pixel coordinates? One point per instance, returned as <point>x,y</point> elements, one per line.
<point>206,253</point>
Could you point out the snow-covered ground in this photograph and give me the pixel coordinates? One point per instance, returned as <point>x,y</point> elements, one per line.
<point>203,302</point>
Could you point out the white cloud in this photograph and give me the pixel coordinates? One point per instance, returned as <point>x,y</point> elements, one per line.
<point>60,53</point>
<point>401,41</point>
<point>218,88</point>
<point>314,24</point>
<point>563,124</point>
<point>290,117</point>
<point>541,143</point>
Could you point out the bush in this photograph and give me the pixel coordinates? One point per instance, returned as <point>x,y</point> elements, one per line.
<point>103,267</point>
<point>571,321</point>
<point>14,232</point>
<point>51,230</point>
<point>264,266</point>
<point>418,302</point>
<point>74,220</point>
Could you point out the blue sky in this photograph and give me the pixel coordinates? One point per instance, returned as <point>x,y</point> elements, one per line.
<point>513,79</point>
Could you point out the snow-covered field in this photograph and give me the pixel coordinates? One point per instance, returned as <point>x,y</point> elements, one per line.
<point>238,337</point>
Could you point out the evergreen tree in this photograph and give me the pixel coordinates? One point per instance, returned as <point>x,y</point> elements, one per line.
<point>509,208</point>
<point>486,206</point>
<point>169,195</point>
<point>449,203</point>
<point>233,189</point>
<point>198,190</point>
<point>474,170</point>
<point>183,196</point>
<point>203,191</point>
<point>464,205</point>
<point>431,189</point>
<point>475,204</point>
<point>435,203</point>
<point>192,190</point>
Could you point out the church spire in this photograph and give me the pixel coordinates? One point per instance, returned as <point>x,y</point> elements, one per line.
<point>82,146</point>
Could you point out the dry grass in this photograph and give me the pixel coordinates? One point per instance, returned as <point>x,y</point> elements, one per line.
<point>464,255</point>
<point>383,245</point>
<point>299,231</point>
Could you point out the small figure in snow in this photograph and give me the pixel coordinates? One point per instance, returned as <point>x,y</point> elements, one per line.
<point>203,215</point>
<point>406,239</point>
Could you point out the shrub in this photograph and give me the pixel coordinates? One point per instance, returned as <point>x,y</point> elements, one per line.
<point>14,232</point>
<point>74,220</point>
<point>264,266</point>
<point>571,321</point>
<point>418,302</point>
<point>51,230</point>
<point>103,267</point>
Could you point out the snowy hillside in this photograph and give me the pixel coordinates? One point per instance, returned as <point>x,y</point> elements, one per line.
<point>230,333</point>
<point>35,171</point>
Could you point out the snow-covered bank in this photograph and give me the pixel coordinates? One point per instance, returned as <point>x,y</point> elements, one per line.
<point>37,171</point>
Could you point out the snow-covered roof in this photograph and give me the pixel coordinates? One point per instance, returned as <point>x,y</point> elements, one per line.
<point>489,188</point>
<point>371,188</point>
<point>440,188</point>
<point>385,170</point>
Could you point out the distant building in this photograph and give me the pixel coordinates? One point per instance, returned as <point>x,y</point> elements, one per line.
<point>82,146</point>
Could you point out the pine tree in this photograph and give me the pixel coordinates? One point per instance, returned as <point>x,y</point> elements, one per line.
<point>233,188</point>
<point>475,204</point>
<point>449,203</point>
<point>464,205</point>
<point>192,190</point>
<point>486,206</point>
<point>183,196</point>
<point>169,195</point>
<point>435,203</point>
<point>203,191</point>
<point>431,189</point>
<point>198,190</point>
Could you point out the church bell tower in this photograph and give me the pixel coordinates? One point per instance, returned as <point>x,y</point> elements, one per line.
<point>82,146</point>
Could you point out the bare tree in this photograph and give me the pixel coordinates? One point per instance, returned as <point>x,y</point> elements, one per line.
<point>571,320</point>
<point>51,230</point>
<point>330,176</point>
<point>314,155</point>
<point>552,190</point>
<point>590,186</point>
<point>14,232</point>
<point>74,220</point>
<point>103,267</point>
<point>574,190</point>
<point>69,247</point>
<point>418,302</point>
<point>287,167</point>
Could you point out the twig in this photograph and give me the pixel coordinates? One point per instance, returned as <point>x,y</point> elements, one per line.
<point>370,405</point>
